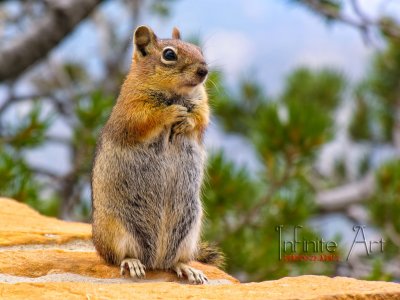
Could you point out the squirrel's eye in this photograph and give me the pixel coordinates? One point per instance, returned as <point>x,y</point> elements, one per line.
<point>169,55</point>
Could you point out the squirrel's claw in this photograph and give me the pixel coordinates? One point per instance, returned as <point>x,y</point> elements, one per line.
<point>135,267</point>
<point>194,276</point>
<point>184,126</point>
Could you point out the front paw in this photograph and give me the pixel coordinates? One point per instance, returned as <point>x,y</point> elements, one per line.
<point>176,113</point>
<point>184,126</point>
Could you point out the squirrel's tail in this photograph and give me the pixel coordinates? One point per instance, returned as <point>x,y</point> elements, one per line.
<point>211,255</point>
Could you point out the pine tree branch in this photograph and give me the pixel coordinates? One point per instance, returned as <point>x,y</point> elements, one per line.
<point>58,140</point>
<point>14,99</point>
<point>44,172</point>
<point>396,125</point>
<point>62,17</point>
<point>316,6</point>
<point>364,24</point>
<point>249,218</point>
<point>340,198</point>
<point>392,233</point>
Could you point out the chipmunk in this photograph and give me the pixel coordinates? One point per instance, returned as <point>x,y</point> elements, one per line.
<point>149,163</point>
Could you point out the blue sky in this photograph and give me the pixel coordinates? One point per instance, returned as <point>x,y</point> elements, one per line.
<point>266,39</point>
<point>251,38</point>
<point>256,39</point>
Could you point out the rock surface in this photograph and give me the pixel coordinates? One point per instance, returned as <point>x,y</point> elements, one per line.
<point>45,258</point>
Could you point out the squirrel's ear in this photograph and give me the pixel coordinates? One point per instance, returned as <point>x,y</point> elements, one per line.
<point>144,38</point>
<point>176,34</point>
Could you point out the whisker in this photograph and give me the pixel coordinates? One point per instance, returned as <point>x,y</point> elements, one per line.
<point>214,84</point>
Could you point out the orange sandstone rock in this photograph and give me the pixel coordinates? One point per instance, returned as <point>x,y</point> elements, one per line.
<point>36,263</point>
<point>303,287</point>
<point>20,224</point>
<point>45,258</point>
<point>32,246</point>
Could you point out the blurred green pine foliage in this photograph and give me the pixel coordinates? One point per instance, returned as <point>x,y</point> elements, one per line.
<point>17,177</point>
<point>243,208</point>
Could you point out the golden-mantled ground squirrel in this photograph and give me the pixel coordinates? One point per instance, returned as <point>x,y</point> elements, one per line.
<point>149,162</point>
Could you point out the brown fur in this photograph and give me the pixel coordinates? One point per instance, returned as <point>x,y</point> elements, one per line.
<point>134,110</point>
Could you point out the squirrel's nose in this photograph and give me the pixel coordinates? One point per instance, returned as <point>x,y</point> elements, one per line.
<point>202,71</point>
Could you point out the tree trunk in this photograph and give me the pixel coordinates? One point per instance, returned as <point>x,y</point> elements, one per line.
<point>48,32</point>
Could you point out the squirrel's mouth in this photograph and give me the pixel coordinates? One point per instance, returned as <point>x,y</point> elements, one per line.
<point>190,85</point>
<point>187,88</point>
<point>193,83</point>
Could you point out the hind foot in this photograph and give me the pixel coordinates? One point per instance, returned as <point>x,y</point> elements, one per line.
<point>193,275</point>
<point>134,266</point>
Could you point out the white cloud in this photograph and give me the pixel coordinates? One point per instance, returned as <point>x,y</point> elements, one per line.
<point>254,9</point>
<point>372,7</point>
<point>231,51</point>
<point>339,47</point>
<point>376,8</point>
<point>243,153</point>
<point>328,56</point>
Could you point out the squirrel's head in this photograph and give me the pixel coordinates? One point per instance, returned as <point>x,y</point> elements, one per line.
<point>167,64</point>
